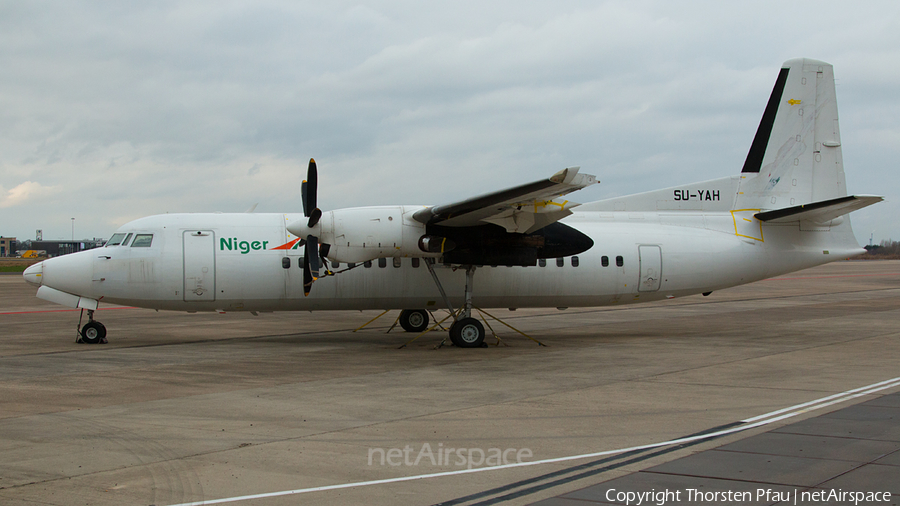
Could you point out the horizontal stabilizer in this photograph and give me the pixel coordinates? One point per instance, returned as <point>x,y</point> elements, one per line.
<point>819,212</point>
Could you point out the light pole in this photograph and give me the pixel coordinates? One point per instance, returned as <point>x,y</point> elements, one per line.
<point>73,235</point>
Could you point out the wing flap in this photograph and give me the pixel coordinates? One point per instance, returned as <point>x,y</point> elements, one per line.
<point>819,212</point>
<point>521,209</point>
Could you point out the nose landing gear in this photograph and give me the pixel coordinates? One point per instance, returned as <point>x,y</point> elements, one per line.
<point>93,332</point>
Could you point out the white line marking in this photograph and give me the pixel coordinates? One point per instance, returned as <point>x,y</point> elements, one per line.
<point>751,423</point>
<point>773,413</point>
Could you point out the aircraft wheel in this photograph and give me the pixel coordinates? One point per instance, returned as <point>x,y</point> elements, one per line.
<point>93,332</point>
<point>414,320</point>
<point>467,333</point>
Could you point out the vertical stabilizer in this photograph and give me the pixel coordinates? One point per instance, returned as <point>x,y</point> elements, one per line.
<point>795,157</point>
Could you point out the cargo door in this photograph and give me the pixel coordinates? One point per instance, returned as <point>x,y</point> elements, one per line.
<point>199,265</point>
<point>651,267</point>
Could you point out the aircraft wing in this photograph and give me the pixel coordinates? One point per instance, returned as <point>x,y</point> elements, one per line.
<point>521,209</point>
<point>820,212</point>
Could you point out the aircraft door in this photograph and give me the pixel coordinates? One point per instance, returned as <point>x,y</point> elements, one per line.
<point>651,268</point>
<point>199,265</point>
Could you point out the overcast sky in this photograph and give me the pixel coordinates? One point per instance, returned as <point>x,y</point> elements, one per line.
<point>110,111</point>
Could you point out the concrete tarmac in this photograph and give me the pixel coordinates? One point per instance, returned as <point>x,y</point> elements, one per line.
<point>189,407</point>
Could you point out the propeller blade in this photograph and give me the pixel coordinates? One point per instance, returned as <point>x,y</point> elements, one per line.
<point>312,187</point>
<point>303,191</point>
<point>314,217</point>
<point>312,255</point>
<point>307,277</point>
<point>323,252</point>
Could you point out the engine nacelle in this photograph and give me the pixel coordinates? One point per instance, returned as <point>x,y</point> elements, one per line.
<point>435,244</point>
<point>359,234</point>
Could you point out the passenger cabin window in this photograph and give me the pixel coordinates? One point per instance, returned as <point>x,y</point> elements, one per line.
<point>575,261</point>
<point>620,261</point>
<point>367,264</point>
<point>382,262</point>
<point>335,265</point>
<point>604,261</point>
<point>415,263</point>
<point>542,262</point>
<point>351,265</point>
<point>142,241</point>
<point>115,240</point>
<point>397,262</point>
<point>560,262</point>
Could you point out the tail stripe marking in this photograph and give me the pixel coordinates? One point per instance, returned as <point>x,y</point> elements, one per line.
<point>761,141</point>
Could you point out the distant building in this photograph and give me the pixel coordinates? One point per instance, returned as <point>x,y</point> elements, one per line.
<point>57,248</point>
<point>7,246</point>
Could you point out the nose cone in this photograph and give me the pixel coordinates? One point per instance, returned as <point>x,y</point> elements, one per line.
<point>34,274</point>
<point>300,228</point>
<point>70,273</point>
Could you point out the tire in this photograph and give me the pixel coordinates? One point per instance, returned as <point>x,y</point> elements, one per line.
<point>414,320</point>
<point>93,332</point>
<point>467,333</point>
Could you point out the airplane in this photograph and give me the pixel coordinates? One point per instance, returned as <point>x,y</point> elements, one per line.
<point>527,246</point>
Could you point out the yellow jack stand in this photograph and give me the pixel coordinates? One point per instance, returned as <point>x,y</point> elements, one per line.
<point>377,317</point>
<point>438,324</point>
<point>483,312</point>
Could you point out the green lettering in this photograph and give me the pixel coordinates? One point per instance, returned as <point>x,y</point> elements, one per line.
<point>245,247</point>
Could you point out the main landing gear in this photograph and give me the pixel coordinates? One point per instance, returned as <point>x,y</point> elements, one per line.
<point>93,332</point>
<point>466,332</point>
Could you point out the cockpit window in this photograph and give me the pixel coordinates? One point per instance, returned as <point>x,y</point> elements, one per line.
<point>127,238</point>
<point>142,241</point>
<point>115,240</point>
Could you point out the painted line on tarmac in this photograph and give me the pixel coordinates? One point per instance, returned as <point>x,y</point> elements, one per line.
<point>749,423</point>
<point>831,399</point>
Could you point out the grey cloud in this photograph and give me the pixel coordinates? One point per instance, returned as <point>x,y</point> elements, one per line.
<point>127,106</point>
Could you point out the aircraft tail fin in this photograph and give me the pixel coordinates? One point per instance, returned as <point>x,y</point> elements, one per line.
<point>794,171</point>
<point>795,157</point>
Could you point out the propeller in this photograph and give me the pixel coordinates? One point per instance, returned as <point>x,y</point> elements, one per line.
<point>308,190</point>
<point>312,253</point>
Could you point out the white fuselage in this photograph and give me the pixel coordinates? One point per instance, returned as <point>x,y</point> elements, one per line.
<point>226,262</point>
